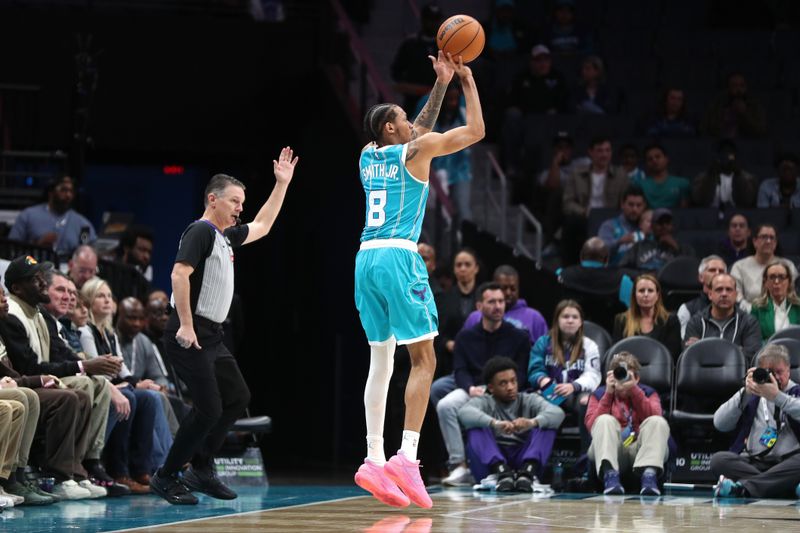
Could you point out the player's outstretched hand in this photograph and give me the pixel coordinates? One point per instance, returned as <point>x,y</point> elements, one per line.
<point>284,166</point>
<point>460,68</point>
<point>443,67</point>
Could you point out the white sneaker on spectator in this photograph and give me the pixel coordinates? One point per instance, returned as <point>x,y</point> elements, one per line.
<point>69,490</point>
<point>6,502</point>
<point>96,490</point>
<point>17,500</point>
<point>459,477</point>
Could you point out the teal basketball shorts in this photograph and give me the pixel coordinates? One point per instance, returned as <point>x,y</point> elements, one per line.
<point>393,296</point>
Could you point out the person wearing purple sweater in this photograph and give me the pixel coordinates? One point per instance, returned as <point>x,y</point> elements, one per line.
<point>517,311</point>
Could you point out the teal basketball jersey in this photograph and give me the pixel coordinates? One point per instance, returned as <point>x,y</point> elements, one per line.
<point>395,199</point>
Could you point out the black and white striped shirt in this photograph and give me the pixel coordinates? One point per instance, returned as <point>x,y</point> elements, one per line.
<point>210,252</point>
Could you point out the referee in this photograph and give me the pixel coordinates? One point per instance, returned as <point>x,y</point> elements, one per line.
<point>202,288</point>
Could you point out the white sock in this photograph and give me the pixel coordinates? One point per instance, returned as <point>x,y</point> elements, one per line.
<point>409,444</point>
<point>375,452</point>
<point>381,364</point>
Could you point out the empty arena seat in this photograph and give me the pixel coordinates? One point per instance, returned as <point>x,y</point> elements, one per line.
<point>654,357</point>
<point>679,283</point>
<point>598,334</point>
<point>707,373</point>
<point>792,332</point>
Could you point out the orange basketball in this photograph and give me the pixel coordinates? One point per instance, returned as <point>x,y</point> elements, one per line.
<point>461,35</point>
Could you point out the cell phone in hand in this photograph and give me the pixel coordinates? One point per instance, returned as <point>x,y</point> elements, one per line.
<point>550,395</point>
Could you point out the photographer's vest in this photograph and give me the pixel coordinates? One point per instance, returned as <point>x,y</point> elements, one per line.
<point>749,416</point>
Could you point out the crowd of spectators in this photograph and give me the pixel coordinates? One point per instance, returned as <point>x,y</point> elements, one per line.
<point>95,389</point>
<point>509,395</point>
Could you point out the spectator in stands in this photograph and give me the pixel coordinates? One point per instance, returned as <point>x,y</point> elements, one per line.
<point>593,95</point>
<point>473,348</point>
<point>778,307</point>
<point>136,249</point>
<point>709,267</point>
<point>13,421</point>
<point>411,68</point>
<point>130,442</point>
<point>737,244</point>
<point>458,302</point>
<point>724,319</point>
<point>783,191</point>
<point>157,316</point>
<point>563,35</point>
<point>599,185</point>
<point>77,316</point>
<point>652,254</point>
<point>428,254</point>
<point>620,233</point>
<point>725,184</point>
<point>749,272</point>
<point>629,433</point>
<point>661,188</point>
<point>672,120</point>
<point>517,311</point>
<point>64,416</point>
<point>507,34</point>
<point>83,265</point>
<point>28,344</point>
<point>570,360</point>
<point>763,461</point>
<point>509,433</point>
<point>595,285</point>
<point>60,288</point>
<point>735,113</point>
<point>545,197</point>
<point>629,161</point>
<point>54,224</point>
<point>144,360</point>
<point>539,89</point>
<point>648,317</point>
<point>453,171</point>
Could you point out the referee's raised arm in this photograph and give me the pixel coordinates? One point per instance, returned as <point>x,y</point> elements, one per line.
<point>284,170</point>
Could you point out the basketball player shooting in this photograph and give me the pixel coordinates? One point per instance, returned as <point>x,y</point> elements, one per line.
<point>392,293</point>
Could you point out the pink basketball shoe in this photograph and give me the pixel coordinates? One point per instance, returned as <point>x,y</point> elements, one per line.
<point>406,474</point>
<point>373,479</point>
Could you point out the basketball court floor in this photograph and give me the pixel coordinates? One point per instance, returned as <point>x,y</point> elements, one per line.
<point>302,509</point>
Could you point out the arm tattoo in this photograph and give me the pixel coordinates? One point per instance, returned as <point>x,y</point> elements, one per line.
<point>427,117</point>
<point>412,151</point>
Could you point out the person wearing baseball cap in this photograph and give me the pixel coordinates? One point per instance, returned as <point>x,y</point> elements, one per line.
<point>24,267</point>
<point>536,90</point>
<point>652,254</point>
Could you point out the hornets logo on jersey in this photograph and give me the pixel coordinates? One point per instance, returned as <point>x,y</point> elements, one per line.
<point>395,199</point>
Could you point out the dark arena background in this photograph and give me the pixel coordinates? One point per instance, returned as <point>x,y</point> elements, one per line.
<point>142,101</point>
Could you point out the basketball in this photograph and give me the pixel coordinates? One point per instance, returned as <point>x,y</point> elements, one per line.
<point>461,35</point>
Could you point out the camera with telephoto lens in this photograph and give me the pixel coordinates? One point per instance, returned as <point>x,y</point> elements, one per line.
<point>621,373</point>
<point>761,375</point>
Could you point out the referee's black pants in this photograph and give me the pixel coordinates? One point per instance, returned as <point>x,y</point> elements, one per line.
<point>218,390</point>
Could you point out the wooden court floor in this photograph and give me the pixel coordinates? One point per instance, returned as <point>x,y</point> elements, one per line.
<point>467,511</point>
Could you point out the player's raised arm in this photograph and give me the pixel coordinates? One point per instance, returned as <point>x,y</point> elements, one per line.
<point>430,111</point>
<point>432,144</point>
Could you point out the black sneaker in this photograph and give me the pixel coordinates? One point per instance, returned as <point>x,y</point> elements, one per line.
<point>207,482</point>
<point>171,489</point>
<point>523,483</point>
<point>99,476</point>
